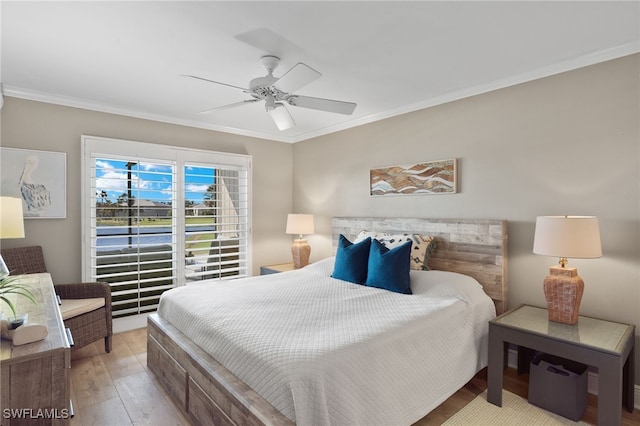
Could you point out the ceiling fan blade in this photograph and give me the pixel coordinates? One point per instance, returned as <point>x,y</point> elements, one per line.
<point>212,81</point>
<point>281,117</point>
<point>297,77</point>
<point>223,107</point>
<point>329,105</point>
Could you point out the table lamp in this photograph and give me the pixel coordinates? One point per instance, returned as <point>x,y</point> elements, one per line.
<point>300,224</point>
<point>11,224</point>
<point>566,236</point>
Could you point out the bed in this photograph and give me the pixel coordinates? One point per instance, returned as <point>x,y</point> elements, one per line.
<point>376,365</point>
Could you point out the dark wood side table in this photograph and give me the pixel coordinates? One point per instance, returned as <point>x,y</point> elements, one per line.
<point>607,345</point>
<point>274,269</point>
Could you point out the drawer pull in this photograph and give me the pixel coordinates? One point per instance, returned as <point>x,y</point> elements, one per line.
<point>69,337</point>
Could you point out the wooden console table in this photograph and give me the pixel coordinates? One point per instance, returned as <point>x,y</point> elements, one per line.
<point>34,378</point>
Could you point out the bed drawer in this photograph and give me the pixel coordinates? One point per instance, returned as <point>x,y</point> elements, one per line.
<point>204,409</point>
<point>172,377</point>
<point>202,386</point>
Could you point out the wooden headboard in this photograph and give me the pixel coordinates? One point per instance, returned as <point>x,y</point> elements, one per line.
<point>474,247</point>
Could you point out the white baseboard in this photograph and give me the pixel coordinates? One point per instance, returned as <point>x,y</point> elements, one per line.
<point>592,381</point>
<point>129,323</point>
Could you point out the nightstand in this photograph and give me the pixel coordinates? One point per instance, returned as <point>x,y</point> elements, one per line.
<point>274,269</point>
<point>607,345</point>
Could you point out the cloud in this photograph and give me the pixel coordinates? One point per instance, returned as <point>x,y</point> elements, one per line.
<point>104,165</point>
<point>196,187</point>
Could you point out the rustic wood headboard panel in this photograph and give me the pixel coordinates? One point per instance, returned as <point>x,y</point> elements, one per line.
<point>475,247</point>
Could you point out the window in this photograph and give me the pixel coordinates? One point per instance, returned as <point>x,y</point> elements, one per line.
<point>138,239</point>
<point>223,195</point>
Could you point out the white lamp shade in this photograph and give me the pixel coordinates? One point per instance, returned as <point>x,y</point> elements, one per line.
<point>300,224</point>
<point>575,237</point>
<point>282,117</point>
<point>11,219</point>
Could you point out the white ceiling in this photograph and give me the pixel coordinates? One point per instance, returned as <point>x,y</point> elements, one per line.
<point>388,57</point>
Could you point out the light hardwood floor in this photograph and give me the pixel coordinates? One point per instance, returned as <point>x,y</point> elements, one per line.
<point>118,389</point>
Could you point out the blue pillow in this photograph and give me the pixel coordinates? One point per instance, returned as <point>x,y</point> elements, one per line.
<point>389,269</point>
<point>351,260</point>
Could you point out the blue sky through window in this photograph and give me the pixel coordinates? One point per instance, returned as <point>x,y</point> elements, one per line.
<point>149,181</point>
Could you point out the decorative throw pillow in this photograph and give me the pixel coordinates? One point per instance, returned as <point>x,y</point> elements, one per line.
<point>352,260</point>
<point>422,246</point>
<point>389,268</point>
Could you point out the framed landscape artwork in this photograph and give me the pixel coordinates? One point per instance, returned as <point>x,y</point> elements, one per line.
<point>432,177</point>
<point>39,178</point>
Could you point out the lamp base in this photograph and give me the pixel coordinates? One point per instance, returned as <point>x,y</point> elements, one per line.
<point>300,249</point>
<point>563,289</point>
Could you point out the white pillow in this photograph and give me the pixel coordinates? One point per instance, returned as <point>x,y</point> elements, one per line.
<point>421,248</point>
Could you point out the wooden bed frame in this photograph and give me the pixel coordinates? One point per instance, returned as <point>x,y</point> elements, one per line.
<point>208,393</point>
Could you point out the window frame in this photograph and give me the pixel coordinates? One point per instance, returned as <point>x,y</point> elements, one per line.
<point>93,147</point>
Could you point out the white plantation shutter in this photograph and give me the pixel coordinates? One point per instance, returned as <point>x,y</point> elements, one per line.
<point>153,223</point>
<point>133,244</point>
<point>217,238</point>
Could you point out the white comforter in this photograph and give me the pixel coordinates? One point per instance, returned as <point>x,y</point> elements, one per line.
<point>328,352</point>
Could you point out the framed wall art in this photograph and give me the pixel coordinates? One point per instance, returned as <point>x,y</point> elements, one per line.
<point>432,177</point>
<point>39,178</point>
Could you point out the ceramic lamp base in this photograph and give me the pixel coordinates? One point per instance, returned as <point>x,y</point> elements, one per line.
<point>563,289</point>
<point>301,250</point>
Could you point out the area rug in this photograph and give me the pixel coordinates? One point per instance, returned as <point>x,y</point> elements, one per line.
<point>514,411</point>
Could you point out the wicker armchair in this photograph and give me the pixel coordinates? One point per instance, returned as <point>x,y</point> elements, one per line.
<point>85,328</point>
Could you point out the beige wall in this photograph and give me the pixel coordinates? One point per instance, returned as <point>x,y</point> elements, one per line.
<point>567,144</point>
<point>42,126</point>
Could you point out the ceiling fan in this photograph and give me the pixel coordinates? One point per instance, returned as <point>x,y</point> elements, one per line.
<point>276,92</point>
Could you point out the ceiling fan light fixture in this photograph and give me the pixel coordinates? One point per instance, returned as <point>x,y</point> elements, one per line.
<point>281,116</point>
<point>270,102</point>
